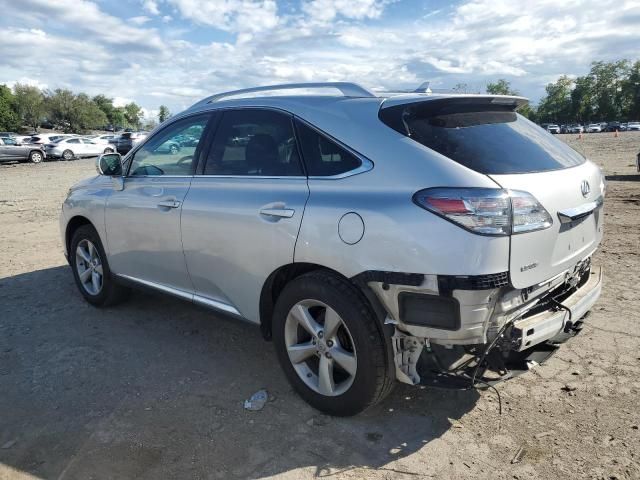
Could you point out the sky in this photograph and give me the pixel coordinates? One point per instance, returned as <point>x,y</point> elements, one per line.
<point>174,52</point>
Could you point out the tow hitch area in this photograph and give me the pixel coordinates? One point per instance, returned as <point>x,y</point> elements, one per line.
<point>420,363</point>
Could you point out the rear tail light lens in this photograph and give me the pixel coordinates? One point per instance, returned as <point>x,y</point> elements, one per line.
<point>486,211</point>
<point>528,215</point>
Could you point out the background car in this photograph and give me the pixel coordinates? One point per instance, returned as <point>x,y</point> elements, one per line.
<point>594,128</point>
<point>75,147</point>
<point>128,140</point>
<point>553,128</point>
<point>11,151</point>
<point>633,127</point>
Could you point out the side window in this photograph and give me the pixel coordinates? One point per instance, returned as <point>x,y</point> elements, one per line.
<point>74,140</point>
<point>322,156</point>
<point>254,142</point>
<point>167,152</point>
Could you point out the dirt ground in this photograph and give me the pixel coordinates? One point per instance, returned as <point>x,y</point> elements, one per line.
<point>154,388</point>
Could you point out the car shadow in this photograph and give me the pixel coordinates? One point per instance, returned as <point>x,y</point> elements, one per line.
<point>154,388</point>
<point>623,178</point>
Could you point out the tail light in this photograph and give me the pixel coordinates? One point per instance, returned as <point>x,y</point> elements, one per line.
<point>486,211</point>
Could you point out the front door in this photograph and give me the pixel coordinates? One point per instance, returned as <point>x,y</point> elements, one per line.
<point>143,220</point>
<point>241,218</point>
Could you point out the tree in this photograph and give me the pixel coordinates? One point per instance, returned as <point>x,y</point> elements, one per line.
<point>607,79</point>
<point>60,106</point>
<point>9,120</point>
<point>29,102</point>
<point>118,117</point>
<point>105,104</point>
<point>630,93</point>
<point>133,114</point>
<point>501,87</point>
<point>582,104</point>
<point>85,114</point>
<point>556,105</point>
<point>163,113</point>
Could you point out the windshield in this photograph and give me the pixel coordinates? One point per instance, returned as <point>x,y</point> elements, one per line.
<point>488,138</point>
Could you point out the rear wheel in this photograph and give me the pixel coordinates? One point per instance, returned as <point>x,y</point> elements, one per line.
<point>330,345</point>
<point>173,149</point>
<point>36,157</point>
<point>91,269</point>
<point>67,155</point>
<point>108,150</point>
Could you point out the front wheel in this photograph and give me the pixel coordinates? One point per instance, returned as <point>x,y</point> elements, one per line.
<point>36,157</point>
<point>330,345</point>
<point>67,155</point>
<point>108,150</point>
<point>91,269</point>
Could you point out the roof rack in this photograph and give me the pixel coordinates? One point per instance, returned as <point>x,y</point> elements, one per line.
<point>346,88</point>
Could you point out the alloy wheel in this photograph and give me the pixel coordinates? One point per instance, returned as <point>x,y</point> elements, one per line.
<point>320,347</point>
<point>89,267</point>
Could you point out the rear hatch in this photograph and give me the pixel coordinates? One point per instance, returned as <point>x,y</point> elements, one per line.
<point>485,134</point>
<point>540,255</point>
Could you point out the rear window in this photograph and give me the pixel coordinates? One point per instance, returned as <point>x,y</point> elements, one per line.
<point>487,138</point>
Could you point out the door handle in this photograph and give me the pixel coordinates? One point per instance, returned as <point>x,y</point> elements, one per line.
<point>169,204</point>
<point>278,212</point>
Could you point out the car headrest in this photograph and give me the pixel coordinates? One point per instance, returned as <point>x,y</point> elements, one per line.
<point>261,151</point>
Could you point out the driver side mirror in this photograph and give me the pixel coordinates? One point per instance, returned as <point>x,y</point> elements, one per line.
<point>110,164</point>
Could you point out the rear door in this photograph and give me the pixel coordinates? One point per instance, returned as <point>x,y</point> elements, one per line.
<point>241,217</point>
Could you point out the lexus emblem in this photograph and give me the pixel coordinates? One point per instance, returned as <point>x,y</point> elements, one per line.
<point>585,188</point>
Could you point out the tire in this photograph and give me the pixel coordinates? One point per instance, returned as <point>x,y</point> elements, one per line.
<point>109,292</point>
<point>108,150</point>
<point>359,336</point>
<point>36,157</point>
<point>68,155</point>
<point>173,149</point>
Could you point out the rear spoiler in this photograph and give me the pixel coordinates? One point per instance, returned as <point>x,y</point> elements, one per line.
<point>395,110</point>
<point>436,102</point>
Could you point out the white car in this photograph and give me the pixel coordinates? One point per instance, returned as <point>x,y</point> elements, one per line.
<point>633,127</point>
<point>76,147</point>
<point>553,129</point>
<point>594,128</point>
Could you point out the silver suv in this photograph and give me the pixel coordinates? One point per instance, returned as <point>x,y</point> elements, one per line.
<point>431,239</point>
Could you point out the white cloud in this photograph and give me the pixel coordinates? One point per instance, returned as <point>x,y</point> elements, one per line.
<point>85,16</point>
<point>140,20</point>
<point>230,15</point>
<point>326,10</point>
<point>151,6</point>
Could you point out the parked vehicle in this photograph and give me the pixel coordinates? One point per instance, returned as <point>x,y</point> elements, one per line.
<point>23,139</point>
<point>366,237</point>
<point>576,129</point>
<point>44,138</point>
<point>614,126</point>
<point>8,134</point>
<point>10,150</point>
<point>594,128</point>
<point>552,128</point>
<point>76,147</point>
<point>108,141</point>
<point>128,140</point>
<point>633,126</point>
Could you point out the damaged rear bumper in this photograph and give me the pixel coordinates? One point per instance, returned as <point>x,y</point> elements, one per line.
<point>546,325</point>
<point>509,321</point>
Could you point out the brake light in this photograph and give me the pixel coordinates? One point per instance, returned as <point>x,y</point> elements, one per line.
<point>486,211</point>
